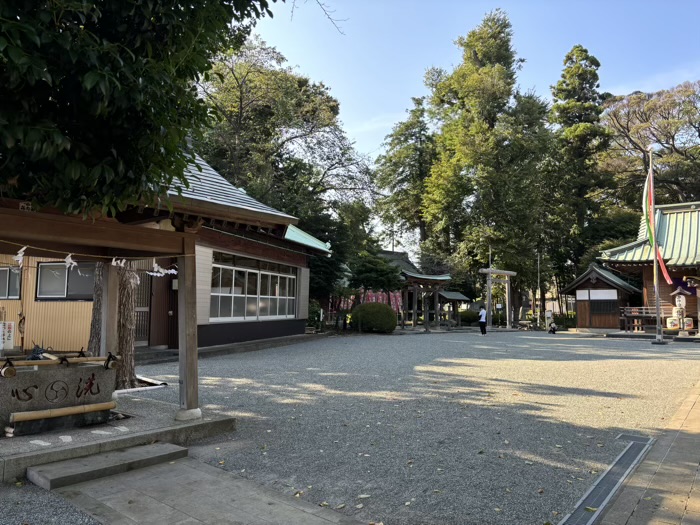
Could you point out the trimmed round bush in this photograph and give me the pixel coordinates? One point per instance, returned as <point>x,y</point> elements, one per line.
<point>469,317</point>
<point>374,317</point>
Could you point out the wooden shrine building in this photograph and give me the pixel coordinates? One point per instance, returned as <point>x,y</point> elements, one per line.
<point>678,233</point>
<point>422,293</point>
<point>54,234</point>
<point>600,294</point>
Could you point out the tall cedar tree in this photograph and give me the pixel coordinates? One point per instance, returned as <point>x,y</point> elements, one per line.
<point>467,103</point>
<point>485,190</point>
<point>581,139</point>
<point>401,172</point>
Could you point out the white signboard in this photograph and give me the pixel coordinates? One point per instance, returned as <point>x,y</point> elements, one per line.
<point>603,295</point>
<point>7,335</point>
<point>499,306</point>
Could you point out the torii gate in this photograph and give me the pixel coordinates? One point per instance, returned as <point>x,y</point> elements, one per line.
<point>506,275</point>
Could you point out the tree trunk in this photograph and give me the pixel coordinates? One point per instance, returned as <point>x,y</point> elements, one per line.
<point>543,303</point>
<point>517,300</point>
<point>96,323</point>
<point>126,371</point>
<point>422,231</point>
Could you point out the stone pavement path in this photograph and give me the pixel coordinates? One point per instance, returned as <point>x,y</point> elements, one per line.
<point>665,488</point>
<point>187,492</point>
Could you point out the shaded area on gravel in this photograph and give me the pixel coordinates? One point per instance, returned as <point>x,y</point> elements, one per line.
<point>438,429</point>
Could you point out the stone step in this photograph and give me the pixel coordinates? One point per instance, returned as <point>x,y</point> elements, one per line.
<point>69,472</point>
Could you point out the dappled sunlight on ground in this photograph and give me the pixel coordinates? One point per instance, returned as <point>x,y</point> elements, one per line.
<point>453,424</point>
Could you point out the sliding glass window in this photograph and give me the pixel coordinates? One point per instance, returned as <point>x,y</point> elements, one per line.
<point>242,293</point>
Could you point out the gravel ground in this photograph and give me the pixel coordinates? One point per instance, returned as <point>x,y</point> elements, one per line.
<point>31,505</point>
<point>435,429</point>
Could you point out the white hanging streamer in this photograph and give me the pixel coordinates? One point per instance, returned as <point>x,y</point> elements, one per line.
<point>159,271</point>
<point>19,258</point>
<point>118,262</point>
<point>70,263</point>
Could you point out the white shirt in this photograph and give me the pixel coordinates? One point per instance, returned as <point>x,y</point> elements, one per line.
<point>482,316</point>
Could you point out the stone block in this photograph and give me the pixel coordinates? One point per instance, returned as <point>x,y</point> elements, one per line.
<point>50,387</point>
<point>72,471</point>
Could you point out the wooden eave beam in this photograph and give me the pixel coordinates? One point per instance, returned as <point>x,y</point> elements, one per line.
<point>228,213</point>
<point>142,215</point>
<point>59,230</point>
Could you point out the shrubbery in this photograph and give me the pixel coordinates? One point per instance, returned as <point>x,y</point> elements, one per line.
<point>314,318</point>
<point>469,317</point>
<point>565,321</point>
<point>374,317</point>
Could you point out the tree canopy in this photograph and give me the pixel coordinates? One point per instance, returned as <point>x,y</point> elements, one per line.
<point>96,99</point>
<point>278,134</point>
<point>668,120</point>
<point>481,167</point>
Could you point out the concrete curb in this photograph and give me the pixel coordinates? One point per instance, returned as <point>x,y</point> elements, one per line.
<point>145,357</point>
<point>15,466</point>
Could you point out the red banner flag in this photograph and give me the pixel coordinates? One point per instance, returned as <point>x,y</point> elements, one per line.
<point>650,219</point>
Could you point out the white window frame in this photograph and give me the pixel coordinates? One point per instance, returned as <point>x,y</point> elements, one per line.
<point>603,295</point>
<point>38,282</point>
<point>7,282</point>
<point>63,297</point>
<point>582,295</point>
<point>258,297</point>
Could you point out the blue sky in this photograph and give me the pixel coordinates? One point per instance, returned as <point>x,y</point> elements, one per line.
<point>377,65</point>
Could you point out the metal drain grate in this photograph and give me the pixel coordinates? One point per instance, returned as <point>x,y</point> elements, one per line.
<point>606,485</point>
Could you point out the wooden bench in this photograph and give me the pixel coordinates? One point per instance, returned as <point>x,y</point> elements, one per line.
<point>635,318</point>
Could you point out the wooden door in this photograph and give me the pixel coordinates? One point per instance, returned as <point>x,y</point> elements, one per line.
<point>143,309</point>
<point>583,314</point>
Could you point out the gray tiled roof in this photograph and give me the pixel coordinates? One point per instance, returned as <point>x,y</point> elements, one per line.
<point>206,185</point>
<point>605,275</point>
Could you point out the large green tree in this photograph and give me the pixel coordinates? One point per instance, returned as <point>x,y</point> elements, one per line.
<point>486,189</point>
<point>278,132</point>
<point>581,138</point>
<point>467,104</point>
<point>402,170</point>
<point>96,99</point>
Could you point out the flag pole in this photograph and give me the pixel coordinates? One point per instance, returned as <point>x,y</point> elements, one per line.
<point>652,220</point>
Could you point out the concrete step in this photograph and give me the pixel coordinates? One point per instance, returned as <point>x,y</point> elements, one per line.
<point>69,472</point>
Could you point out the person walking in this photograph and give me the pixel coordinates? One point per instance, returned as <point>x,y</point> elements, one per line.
<point>482,319</point>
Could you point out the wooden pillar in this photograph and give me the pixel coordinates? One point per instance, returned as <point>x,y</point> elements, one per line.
<point>436,304</point>
<point>404,307</point>
<point>110,311</point>
<point>426,311</point>
<point>449,315</point>
<point>187,334</point>
<point>489,284</point>
<point>414,313</point>
<point>509,314</point>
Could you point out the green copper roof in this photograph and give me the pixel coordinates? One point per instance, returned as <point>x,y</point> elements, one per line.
<point>678,232</point>
<point>454,296</point>
<point>299,236</point>
<point>441,277</point>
